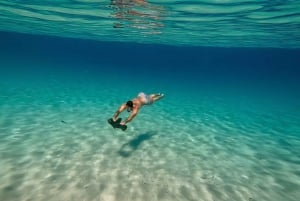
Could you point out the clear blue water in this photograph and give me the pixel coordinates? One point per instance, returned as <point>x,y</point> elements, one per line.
<point>228,126</point>
<point>240,23</point>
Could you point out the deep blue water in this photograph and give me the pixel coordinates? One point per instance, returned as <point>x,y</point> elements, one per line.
<point>265,71</point>
<point>236,64</point>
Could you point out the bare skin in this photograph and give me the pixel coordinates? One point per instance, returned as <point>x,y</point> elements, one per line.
<point>138,102</point>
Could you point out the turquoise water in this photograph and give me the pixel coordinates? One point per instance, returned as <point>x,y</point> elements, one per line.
<point>227,129</point>
<point>242,23</point>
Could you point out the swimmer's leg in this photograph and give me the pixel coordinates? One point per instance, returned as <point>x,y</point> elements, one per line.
<point>156,97</point>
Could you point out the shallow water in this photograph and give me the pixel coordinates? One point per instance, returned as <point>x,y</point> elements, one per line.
<point>227,129</point>
<point>205,143</point>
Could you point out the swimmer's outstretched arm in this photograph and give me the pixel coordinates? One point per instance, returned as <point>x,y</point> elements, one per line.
<point>132,115</point>
<point>121,109</point>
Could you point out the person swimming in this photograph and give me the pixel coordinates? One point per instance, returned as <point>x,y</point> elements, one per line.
<point>135,105</point>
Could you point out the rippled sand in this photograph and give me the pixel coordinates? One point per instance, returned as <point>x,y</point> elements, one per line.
<point>57,145</point>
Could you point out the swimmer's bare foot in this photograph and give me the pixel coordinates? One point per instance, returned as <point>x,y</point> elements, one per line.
<point>158,96</point>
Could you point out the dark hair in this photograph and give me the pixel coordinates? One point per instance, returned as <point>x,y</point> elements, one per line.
<point>129,103</point>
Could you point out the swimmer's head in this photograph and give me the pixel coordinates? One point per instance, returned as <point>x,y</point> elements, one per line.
<point>129,105</point>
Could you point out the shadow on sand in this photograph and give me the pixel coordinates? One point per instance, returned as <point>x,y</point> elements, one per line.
<point>128,148</point>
